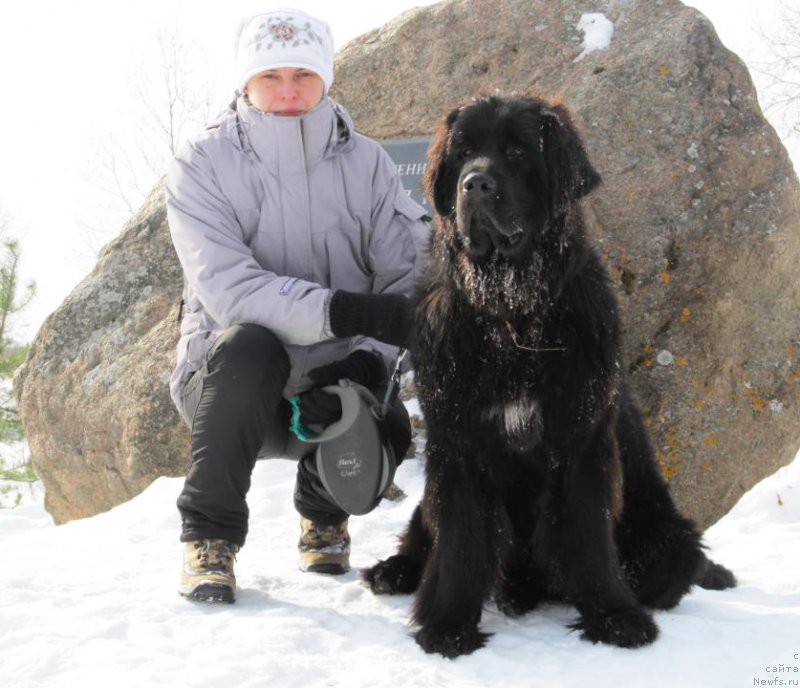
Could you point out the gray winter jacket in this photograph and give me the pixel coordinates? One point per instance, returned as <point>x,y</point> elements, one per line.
<point>269,215</point>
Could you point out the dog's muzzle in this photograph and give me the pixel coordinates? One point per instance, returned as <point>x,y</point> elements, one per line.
<point>480,216</point>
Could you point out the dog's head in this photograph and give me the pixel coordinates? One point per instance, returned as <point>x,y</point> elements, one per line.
<point>502,170</point>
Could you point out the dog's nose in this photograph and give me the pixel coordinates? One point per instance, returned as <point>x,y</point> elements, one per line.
<point>479,184</point>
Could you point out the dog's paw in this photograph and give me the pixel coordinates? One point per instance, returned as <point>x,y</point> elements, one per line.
<point>632,627</point>
<point>397,575</point>
<point>717,577</point>
<point>451,642</point>
<point>514,601</point>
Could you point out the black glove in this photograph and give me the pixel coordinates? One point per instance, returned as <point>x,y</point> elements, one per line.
<point>320,408</point>
<point>362,367</point>
<point>385,317</point>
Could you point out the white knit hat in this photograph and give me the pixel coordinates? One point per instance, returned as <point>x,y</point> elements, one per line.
<point>284,38</point>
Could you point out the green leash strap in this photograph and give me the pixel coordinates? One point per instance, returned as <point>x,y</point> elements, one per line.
<point>300,431</point>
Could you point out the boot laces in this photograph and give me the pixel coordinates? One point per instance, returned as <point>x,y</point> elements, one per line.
<point>318,536</point>
<point>216,553</point>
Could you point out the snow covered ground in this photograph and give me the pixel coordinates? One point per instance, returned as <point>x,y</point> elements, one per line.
<point>94,603</point>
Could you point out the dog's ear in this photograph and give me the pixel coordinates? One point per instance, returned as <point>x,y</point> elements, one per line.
<point>437,182</point>
<point>568,164</point>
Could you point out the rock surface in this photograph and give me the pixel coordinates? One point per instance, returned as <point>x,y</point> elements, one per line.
<point>698,219</point>
<point>93,393</point>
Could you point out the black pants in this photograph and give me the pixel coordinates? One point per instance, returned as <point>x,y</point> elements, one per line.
<point>237,414</point>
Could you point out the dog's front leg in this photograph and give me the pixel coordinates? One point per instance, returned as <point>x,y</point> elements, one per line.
<point>587,554</point>
<point>401,572</point>
<point>468,531</point>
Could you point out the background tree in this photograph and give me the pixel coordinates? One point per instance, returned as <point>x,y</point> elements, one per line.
<point>171,98</point>
<point>782,71</point>
<point>13,298</point>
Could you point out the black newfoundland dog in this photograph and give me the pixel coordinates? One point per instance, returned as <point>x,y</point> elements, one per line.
<point>541,481</point>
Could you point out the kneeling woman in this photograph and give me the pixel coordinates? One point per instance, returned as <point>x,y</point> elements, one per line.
<point>299,248</point>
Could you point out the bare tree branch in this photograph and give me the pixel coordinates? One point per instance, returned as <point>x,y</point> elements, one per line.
<point>171,97</point>
<point>782,71</point>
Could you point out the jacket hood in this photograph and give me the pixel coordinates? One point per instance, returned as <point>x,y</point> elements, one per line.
<point>323,131</point>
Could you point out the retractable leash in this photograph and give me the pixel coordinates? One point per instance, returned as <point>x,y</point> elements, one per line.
<point>355,464</point>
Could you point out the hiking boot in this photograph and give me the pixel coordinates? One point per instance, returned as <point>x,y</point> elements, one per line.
<point>324,549</point>
<point>207,573</point>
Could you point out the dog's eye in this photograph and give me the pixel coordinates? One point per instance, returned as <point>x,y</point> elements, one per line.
<point>464,152</point>
<point>515,152</point>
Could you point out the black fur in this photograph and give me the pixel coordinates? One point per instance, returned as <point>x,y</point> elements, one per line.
<point>541,481</point>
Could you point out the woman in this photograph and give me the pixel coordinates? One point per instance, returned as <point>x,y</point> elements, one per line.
<point>299,247</point>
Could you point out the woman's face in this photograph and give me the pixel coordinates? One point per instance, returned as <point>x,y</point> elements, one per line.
<point>285,90</point>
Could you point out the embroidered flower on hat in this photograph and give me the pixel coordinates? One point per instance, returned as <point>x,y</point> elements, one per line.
<point>282,31</point>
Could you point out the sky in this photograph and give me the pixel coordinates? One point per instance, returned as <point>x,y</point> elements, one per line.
<point>67,91</point>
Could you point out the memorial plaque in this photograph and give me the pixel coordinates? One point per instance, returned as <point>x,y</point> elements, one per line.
<point>410,157</point>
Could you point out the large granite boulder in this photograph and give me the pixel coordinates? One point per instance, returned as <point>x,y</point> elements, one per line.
<point>93,393</point>
<point>698,219</point>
